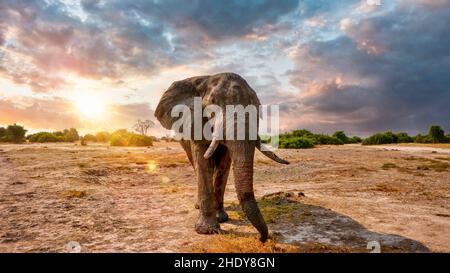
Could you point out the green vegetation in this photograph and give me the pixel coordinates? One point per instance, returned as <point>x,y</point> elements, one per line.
<point>302,139</point>
<point>287,142</point>
<point>13,134</point>
<point>124,138</point>
<point>103,137</point>
<point>43,137</point>
<point>98,137</point>
<point>436,135</point>
<point>67,135</point>
<point>381,138</point>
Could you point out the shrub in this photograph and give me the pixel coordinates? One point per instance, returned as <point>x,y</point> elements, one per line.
<point>341,136</point>
<point>355,139</point>
<point>380,138</point>
<point>403,137</point>
<point>265,139</point>
<point>68,135</point>
<point>326,140</point>
<point>125,138</point>
<point>301,133</point>
<point>89,137</point>
<point>14,133</point>
<point>296,143</point>
<point>43,137</point>
<point>103,136</point>
<point>422,139</point>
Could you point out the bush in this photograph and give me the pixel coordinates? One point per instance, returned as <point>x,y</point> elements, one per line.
<point>380,138</point>
<point>356,139</point>
<point>296,143</point>
<point>89,137</point>
<point>103,137</point>
<point>322,139</point>
<point>301,133</point>
<point>403,137</point>
<point>43,137</point>
<point>422,139</point>
<point>341,136</point>
<point>68,135</point>
<point>265,139</point>
<point>13,133</point>
<point>125,138</point>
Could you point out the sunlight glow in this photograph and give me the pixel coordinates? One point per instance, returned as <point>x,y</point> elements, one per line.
<point>152,166</point>
<point>90,106</point>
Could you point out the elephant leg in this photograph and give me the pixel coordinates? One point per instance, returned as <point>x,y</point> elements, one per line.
<point>186,144</point>
<point>222,169</point>
<point>204,168</point>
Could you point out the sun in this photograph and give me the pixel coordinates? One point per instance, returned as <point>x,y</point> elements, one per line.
<point>90,106</point>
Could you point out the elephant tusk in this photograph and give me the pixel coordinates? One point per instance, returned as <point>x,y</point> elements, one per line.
<point>270,154</point>
<point>212,147</point>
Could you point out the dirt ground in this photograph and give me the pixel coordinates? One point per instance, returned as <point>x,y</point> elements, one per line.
<point>329,199</point>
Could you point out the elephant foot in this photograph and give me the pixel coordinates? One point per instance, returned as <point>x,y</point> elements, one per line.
<point>207,225</point>
<point>222,216</point>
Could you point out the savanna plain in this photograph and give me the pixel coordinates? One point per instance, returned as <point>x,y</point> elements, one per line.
<point>119,199</point>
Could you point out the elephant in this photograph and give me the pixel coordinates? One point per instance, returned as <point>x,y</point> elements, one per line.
<point>212,159</point>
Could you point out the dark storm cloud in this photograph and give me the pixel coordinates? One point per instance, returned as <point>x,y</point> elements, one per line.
<point>387,72</point>
<point>218,19</point>
<point>112,39</point>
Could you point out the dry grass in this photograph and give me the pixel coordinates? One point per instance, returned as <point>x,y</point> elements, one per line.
<point>74,194</point>
<point>383,187</point>
<point>388,166</point>
<point>436,145</point>
<point>232,243</point>
<point>273,208</point>
<point>172,189</point>
<point>435,165</point>
<point>82,165</point>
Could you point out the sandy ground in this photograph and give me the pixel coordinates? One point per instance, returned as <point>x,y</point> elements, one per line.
<point>142,199</point>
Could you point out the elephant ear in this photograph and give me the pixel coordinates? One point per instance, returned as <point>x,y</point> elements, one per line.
<point>180,92</point>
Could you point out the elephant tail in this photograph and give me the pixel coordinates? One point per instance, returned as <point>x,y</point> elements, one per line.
<point>269,154</point>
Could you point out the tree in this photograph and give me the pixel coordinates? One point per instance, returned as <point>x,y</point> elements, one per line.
<point>15,133</point>
<point>2,132</point>
<point>437,134</point>
<point>341,136</point>
<point>142,126</point>
<point>71,135</point>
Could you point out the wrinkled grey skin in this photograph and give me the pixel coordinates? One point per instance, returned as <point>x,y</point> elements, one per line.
<point>212,170</point>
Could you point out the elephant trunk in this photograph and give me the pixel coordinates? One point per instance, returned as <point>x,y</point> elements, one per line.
<point>242,153</point>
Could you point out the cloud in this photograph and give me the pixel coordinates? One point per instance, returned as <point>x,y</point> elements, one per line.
<point>118,39</point>
<point>383,72</point>
<point>56,113</point>
<point>329,64</point>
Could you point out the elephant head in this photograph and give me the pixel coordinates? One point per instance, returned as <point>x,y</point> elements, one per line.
<point>223,89</point>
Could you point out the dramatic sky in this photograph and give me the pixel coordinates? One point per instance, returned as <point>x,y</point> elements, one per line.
<point>348,64</point>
